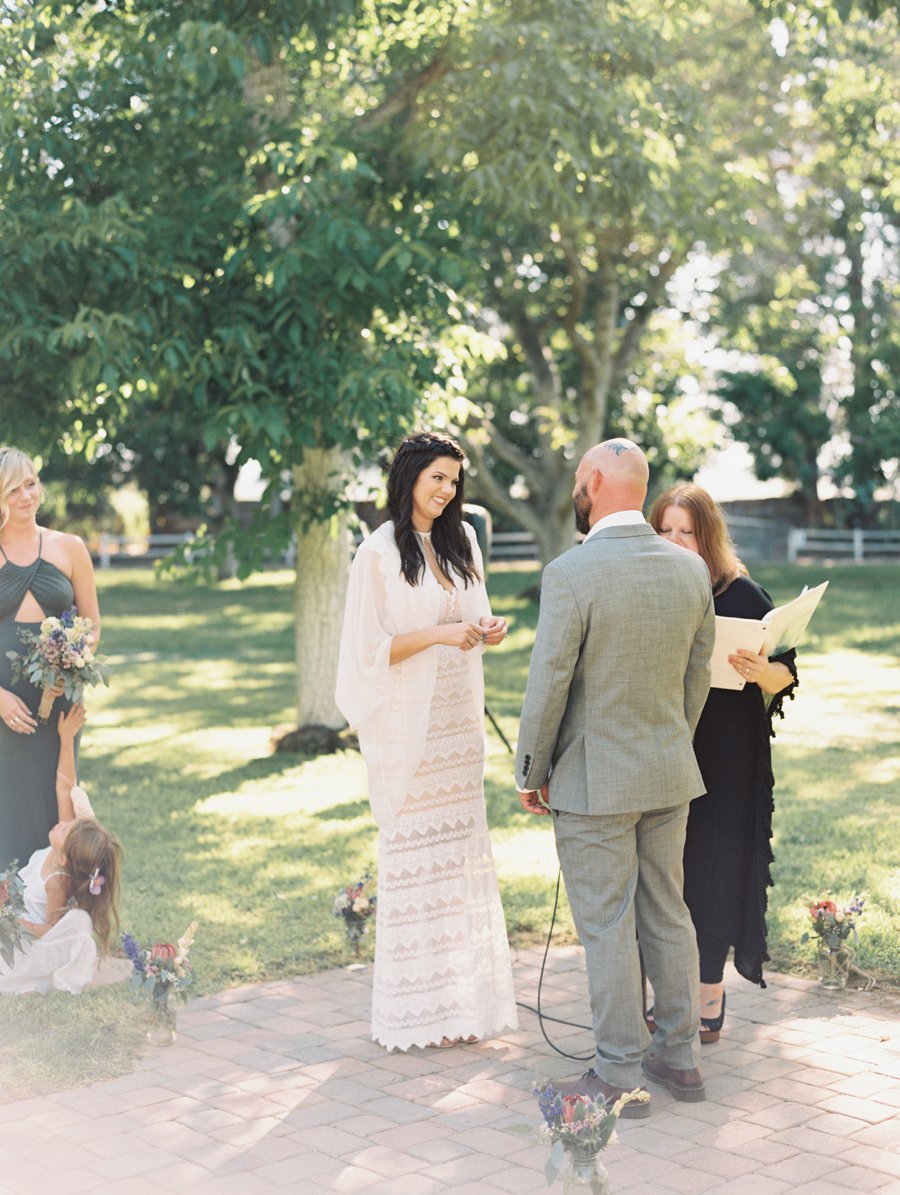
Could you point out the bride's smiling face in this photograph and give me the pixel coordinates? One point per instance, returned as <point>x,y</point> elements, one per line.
<point>434,489</point>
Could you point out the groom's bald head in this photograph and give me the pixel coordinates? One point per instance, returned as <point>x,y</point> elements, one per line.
<point>611,476</point>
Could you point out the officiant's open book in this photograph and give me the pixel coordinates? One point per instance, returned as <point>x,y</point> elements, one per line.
<point>777,631</point>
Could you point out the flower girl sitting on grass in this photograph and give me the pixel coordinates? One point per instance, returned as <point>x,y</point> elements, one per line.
<point>71,889</point>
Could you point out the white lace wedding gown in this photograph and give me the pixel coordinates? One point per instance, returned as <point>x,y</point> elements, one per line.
<point>65,959</point>
<point>442,966</point>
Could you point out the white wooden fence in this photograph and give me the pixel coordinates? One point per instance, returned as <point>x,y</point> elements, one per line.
<point>124,549</point>
<point>856,544</point>
<point>756,539</point>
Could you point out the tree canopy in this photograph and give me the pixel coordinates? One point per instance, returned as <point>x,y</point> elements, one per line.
<point>280,231</point>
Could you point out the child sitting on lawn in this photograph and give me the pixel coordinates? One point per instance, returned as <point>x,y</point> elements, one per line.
<point>71,890</point>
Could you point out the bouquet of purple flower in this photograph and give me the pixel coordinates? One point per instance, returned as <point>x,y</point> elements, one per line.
<point>834,924</point>
<point>163,968</point>
<point>12,907</point>
<point>577,1124</point>
<point>61,653</point>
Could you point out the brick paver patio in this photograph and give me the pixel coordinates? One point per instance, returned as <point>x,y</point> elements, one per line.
<point>278,1087</point>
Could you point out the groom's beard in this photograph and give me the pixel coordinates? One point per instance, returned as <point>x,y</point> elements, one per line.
<point>582,505</point>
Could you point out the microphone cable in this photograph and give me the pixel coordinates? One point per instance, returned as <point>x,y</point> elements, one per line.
<point>541,1016</point>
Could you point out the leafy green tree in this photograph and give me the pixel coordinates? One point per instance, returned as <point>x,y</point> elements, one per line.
<point>810,295</point>
<point>586,150</point>
<point>195,230</point>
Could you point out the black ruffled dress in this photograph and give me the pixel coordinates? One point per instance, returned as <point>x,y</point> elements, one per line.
<point>727,853</point>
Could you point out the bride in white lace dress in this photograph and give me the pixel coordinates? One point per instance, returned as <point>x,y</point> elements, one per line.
<point>410,680</point>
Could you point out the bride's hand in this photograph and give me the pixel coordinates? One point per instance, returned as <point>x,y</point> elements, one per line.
<point>495,629</point>
<point>464,635</point>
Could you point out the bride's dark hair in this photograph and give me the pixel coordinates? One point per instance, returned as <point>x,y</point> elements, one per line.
<point>448,537</point>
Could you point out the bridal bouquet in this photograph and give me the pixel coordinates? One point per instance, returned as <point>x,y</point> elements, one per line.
<point>12,907</point>
<point>61,653</point>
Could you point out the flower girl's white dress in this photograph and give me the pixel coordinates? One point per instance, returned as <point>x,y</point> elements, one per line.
<point>66,958</point>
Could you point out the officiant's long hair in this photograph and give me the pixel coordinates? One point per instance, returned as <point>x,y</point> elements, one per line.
<point>711,532</point>
<point>448,537</point>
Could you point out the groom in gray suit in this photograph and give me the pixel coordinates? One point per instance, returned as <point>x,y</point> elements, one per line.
<point>619,675</point>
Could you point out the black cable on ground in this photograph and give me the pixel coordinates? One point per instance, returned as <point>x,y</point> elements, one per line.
<point>540,1015</point>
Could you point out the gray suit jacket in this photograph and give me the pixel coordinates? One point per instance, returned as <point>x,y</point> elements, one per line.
<point>619,675</point>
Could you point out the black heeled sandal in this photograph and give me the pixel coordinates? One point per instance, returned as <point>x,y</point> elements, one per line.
<point>711,1027</point>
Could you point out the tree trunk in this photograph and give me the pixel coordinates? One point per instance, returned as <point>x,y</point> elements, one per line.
<point>323,544</point>
<point>323,566</point>
<point>557,531</point>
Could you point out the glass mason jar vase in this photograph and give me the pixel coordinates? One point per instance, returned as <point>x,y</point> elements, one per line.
<point>161,1029</point>
<point>583,1171</point>
<point>355,930</point>
<point>834,966</point>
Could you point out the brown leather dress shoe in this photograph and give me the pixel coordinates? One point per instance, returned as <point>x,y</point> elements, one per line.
<point>686,1085</point>
<point>592,1085</point>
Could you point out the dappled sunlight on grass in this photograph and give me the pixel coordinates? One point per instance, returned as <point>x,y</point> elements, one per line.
<point>525,854</point>
<point>255,846</point>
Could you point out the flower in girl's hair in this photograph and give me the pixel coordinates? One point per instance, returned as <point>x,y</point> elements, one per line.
<point>96,882</point>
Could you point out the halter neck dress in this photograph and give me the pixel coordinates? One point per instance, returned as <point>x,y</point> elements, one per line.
<point>28,761</point>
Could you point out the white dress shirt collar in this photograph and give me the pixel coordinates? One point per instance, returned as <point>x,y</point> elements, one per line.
<point>619,518</point>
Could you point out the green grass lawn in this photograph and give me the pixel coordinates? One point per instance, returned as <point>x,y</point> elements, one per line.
<point>255,846</point>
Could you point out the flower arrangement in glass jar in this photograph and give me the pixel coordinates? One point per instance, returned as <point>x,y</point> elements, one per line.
<point>160,972</point>
<point>834,926</point>
<point>580,1127</point>
<point>355,905</point>
<point>61,654</point>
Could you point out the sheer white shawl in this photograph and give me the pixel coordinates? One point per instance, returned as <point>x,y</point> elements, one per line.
<point>388,705</point>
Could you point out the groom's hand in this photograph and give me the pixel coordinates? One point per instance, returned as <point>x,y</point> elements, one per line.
<point>535,802</point>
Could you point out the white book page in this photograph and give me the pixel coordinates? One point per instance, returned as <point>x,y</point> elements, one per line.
<point>732,633</point>
<point>785,624</point>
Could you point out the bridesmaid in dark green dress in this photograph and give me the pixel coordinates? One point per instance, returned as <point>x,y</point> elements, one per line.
<point>42,573</point>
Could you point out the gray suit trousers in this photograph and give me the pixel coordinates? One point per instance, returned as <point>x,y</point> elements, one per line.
<point>624,878</point>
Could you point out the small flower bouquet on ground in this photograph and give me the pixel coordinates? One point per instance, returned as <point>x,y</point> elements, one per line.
<point>12,907</point>
<point>61,653</point>
<point>580,1127</point>
<point>160,972</point>
<point>834,926</point>
<point>355,905</point>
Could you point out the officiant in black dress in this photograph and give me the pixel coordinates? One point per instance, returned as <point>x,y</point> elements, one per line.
<point>727,853</point>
